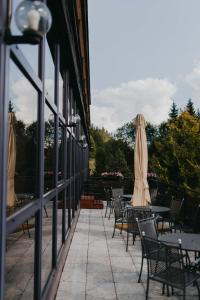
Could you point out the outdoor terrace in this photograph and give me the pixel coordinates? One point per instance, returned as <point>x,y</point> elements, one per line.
<point>98,266</point>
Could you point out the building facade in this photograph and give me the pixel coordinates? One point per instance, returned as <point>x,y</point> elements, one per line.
<point>44,89</point>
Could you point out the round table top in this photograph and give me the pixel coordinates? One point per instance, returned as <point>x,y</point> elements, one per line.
<point>190,241</point>
<point>127,197</point>
<point>159,209</point>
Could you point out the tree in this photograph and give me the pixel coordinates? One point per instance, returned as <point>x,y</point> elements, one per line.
<point>173,113</point>
<point>190,107</point>
<point>175,154</point>
<point>127,133</point>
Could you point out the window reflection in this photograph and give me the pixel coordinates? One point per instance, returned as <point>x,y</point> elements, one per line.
<point>22,141</point>
<point>47,241</point>
<point>19,266</point>
<point>60,152</point>
<point>68,154</point>
<point>49,149</point>
<point>59,219</point>
<point>49,72</point>
<point>68,208</point>
<point>61,108</point>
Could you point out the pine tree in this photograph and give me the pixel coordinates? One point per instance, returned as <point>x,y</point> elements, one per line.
<point>190,107</point>
<point>10,106</point>
<point>173,114</point>
<point>198,114</point>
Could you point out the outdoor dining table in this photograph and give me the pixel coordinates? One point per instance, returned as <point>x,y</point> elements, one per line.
<point>189,241</point>
<point>154,208</point>
<point>159,209</point>
<point>126,197</point>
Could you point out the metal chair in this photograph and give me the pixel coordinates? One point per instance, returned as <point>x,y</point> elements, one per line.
<point>131,214</point>
<point>195,226</point>
<point>166,264</point>
<point>149,227</point>
<point>109,201</point>
<point>117,192</point>
<point>173,217</point>
<point>118,214</point>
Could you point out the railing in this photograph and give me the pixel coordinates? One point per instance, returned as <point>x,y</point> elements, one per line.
<point>161,192</point>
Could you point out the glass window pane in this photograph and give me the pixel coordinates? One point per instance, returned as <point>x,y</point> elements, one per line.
<point>61,197</point>
<point>61,152</point>
<point>49,72</point>
<point>68,154</point>
<point>68,209</point>
<point>19,265</point>
<point>47,231</point>
<point>49,149</point>
<point>61,95</point>
<point>22,141</point>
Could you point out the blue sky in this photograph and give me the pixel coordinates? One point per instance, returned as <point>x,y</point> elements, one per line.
<point>143,54</point>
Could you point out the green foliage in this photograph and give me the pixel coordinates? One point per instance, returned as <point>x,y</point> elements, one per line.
<point>175,152</point>
<point>173,148</point>
<point>173,113</point>
<point>127,133</point>
<point>190,107</point>
<point>111,155</point>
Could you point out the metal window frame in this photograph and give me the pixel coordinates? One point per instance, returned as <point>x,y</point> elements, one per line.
<point>73,160</point>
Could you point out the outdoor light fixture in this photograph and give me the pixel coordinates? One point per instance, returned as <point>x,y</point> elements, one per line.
<point>82,139</point>
<point>74,120</point>
<point>85,146</point>
<point>33,19</point>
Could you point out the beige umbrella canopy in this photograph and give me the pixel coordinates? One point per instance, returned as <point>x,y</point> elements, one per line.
<point>141,196</point>
<point>11,196</point>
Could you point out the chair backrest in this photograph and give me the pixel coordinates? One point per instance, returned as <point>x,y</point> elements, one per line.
<point>148,226</point>
<point>108,193</point>
<point>164,260</point>
<point>118,211</point>
<point>196,224</point>
<point>175,207</point>
<point>117,192</point>
<point>153,194</point>
<point>136,213</point>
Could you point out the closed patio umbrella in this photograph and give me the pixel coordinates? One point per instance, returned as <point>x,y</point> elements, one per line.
<point>11,196</point>
<point>141,195</point>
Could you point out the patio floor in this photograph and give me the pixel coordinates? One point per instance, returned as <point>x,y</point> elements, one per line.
<point>98,266</point>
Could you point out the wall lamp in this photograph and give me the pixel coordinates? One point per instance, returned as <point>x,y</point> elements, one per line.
<point>74,120</point>
<point>33,19</point>
<point>82,139</point>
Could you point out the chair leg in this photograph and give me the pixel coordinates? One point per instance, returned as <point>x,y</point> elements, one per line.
<point>167,290</point>
<point>127,241</point>
<point>184,294</point>
<point>163,289</point>
<point>147,288</point>
<point>110,212</point>
<point>106,210</point>
<point>141,267</point>
<point>133,239</point>
<point>114,230</point>
<point>45,209</point>
<point>197,285</point>
<point>29,235</point>
<point>121,227</point>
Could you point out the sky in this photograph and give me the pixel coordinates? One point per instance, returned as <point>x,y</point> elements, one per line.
<point>143,55</point>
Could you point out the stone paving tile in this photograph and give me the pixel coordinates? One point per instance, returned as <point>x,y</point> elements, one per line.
<point>99,268</point>
<point>105,290</point>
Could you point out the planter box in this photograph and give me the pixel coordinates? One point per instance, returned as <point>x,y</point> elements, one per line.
<point>89,202</point>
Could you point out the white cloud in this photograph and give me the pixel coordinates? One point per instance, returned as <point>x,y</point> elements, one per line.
<point>25,101</point>
<point>193,79</point>
<point>25,97</point>
<point>112,107</point>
